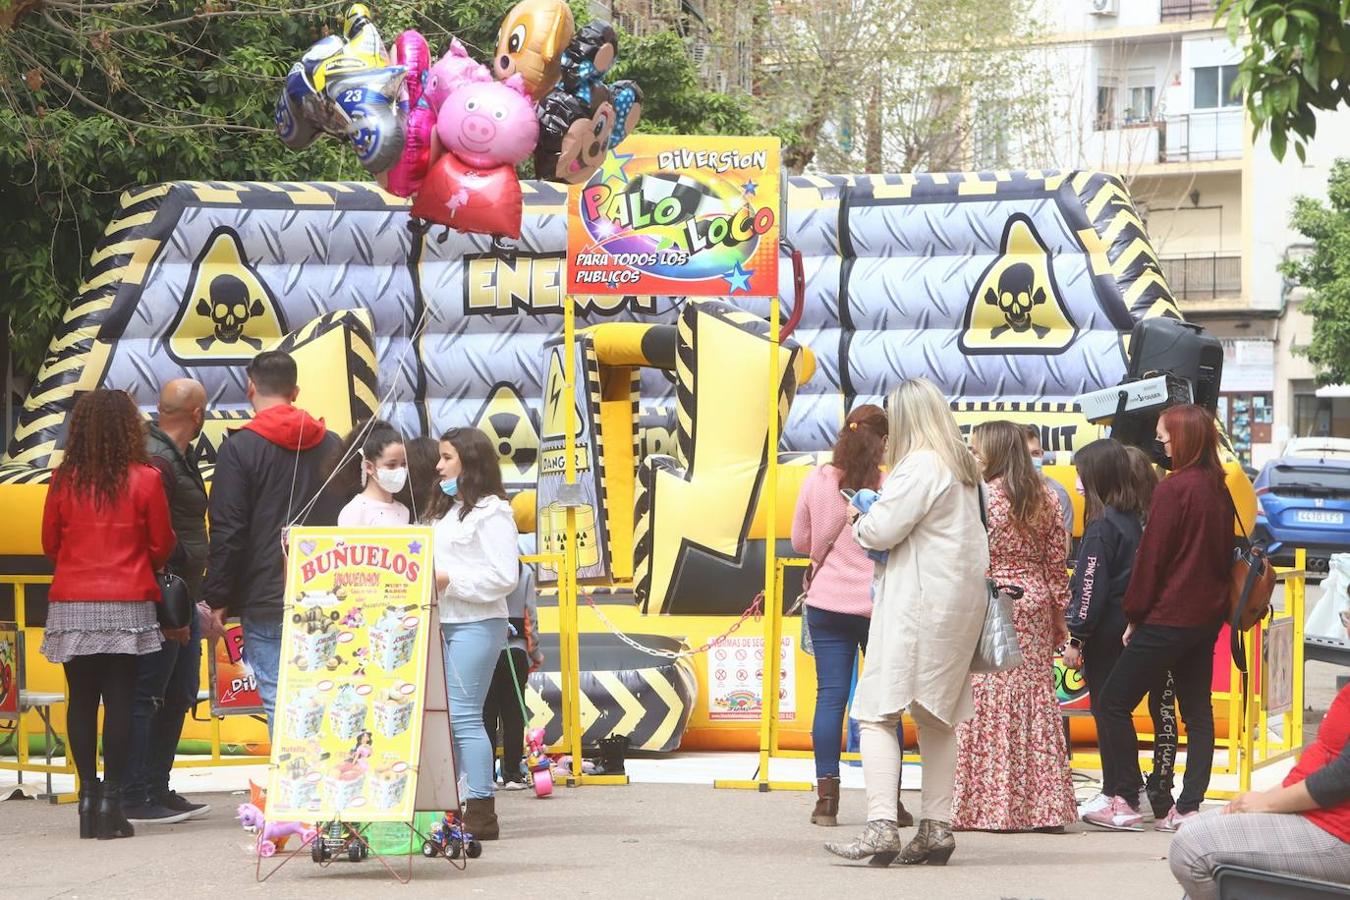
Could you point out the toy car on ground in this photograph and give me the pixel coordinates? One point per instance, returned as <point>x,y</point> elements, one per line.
<point>448,838</point>
<point>337,838</point>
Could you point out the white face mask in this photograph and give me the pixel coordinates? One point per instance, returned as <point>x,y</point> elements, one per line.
<point>392,480</point>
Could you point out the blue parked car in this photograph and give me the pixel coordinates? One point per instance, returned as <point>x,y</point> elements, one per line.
<point>1305,501</point>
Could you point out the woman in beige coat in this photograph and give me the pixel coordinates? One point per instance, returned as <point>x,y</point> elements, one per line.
<point>929,607</point>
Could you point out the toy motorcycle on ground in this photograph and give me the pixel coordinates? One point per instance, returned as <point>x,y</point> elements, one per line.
<point>449,839</point>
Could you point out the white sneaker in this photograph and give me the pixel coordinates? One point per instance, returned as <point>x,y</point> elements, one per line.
<point>1098,802</point>
<point>511,785</point>
<point>1116,815</point>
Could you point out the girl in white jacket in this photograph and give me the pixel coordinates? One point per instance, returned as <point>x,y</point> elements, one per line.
<point>476,569</point>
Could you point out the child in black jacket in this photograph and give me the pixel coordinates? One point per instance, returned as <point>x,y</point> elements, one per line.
<point>1111,534</point>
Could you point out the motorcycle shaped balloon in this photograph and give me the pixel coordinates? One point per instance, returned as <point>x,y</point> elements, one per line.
<point>343,86</point>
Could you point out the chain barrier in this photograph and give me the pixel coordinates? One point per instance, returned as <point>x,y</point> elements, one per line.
<point>755,609</point>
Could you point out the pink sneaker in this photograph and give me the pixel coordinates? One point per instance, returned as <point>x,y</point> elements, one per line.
<point>1117,815</point>
<point>1174,820</point>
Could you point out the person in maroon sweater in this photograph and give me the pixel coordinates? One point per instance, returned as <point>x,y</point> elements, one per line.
<point>1175,604</point>
<point>106,527</point>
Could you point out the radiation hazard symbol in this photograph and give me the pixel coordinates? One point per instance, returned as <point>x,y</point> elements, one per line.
<point>227,314</point>
<point>1016,305</point>
<point>505,419</point>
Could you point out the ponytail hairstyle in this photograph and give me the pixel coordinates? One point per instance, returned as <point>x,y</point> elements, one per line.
<point>378,439</point>
<point>859,447</point>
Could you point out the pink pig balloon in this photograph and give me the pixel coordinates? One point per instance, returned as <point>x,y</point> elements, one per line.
<point>489,123</point>
<point>411,50</point>
<point>453,70</point>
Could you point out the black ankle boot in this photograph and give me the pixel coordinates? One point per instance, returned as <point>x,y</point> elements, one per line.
<point>112,822</point>
<point>89,791</point>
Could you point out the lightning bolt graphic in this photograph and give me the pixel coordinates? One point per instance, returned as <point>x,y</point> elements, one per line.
<point>709,505</point>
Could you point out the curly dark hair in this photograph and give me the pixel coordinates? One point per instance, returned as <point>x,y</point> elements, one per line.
<point>106,435</point>
<point>480,473</point>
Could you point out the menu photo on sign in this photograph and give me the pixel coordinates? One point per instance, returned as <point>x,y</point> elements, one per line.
<point>358,625</point>
<point>678,215</point>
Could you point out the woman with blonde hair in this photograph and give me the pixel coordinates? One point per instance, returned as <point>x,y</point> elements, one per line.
<point>1012,770</point>
<point>927,612</point>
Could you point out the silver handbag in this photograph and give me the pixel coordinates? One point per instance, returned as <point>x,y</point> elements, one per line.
<point>997,650</point>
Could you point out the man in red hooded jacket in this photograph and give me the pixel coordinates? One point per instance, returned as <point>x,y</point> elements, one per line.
<point>266,474</point>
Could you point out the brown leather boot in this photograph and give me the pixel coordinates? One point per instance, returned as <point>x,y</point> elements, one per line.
<point>480,818</point>
<point>827,801</point>
<point>903,817</point>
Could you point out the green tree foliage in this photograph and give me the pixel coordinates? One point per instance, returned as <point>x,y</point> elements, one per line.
<point>1326,274</point>
<point>1296,61</point>
<point>99,97</point>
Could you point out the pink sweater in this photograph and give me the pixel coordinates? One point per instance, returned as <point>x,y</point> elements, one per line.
<point>844,583</point>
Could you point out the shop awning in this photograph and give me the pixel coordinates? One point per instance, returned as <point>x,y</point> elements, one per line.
<point>1334,390</point>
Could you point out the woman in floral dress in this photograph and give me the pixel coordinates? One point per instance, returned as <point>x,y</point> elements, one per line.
<point>1012,771</point>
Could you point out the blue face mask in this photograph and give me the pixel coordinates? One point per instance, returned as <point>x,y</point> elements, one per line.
<point>450,486</point>
<point>1037,462</point>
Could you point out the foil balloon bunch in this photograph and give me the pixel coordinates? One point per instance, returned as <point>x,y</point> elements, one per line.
<point>449,133</point>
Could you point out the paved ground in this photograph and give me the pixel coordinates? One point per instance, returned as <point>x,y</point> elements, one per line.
<point>645,840</point>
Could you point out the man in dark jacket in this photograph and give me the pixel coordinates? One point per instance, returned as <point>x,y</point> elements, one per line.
<point>167,681</point>
<point>266,474</point>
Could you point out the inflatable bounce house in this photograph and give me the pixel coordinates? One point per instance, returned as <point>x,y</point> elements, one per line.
<point>1013,291</point>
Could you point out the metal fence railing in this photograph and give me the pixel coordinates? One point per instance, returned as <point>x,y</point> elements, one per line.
<point>1172,10</point>
<point>1203,276</point>
<point>1202,136</point>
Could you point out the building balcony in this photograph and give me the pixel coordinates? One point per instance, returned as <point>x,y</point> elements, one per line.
<point>1202,136</point>
<point>1203,276</point>
<point>1184,10</point>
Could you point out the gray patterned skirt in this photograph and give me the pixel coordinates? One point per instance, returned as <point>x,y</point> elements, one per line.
<point>87,627</point>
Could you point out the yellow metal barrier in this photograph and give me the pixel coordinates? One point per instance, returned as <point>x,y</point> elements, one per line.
<point>1247,743</point>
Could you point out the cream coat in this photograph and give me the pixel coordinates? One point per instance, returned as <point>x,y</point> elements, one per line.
<point>930,599</point>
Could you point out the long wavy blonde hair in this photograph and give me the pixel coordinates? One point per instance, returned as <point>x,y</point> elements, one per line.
<point>921,420</point>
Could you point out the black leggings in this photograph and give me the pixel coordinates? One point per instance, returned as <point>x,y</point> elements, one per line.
<point>1152,651</point>
<point>1100,653</point>
<point>110,677</point>
<point>503,706</point>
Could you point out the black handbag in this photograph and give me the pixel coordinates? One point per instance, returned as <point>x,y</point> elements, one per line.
<point>175,607</point>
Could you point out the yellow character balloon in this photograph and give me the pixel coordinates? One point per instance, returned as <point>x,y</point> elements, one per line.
<point>531,43</point>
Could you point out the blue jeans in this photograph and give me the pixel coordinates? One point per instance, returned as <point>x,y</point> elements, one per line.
<point>471,651</point>
<point>166,690</point>
<point>837,637</point>
<point>262,652</point>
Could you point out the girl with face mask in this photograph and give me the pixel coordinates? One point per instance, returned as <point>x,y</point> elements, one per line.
<point>384,472</point>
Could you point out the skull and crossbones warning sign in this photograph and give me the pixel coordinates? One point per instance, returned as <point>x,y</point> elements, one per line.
<point>1016,304</point>
<point>227,313</point>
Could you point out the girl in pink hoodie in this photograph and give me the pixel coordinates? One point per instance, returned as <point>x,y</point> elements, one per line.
<point>838,598</point>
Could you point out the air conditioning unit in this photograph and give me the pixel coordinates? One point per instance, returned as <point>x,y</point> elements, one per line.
<point>1103,7</point>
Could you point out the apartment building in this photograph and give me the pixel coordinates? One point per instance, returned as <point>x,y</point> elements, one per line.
<point>718,33</point>
<point>1143,88</point>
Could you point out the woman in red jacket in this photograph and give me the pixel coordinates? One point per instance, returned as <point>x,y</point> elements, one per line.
<point>1174,605</point>
<point>106,527</point>
<point>1300,828</point>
